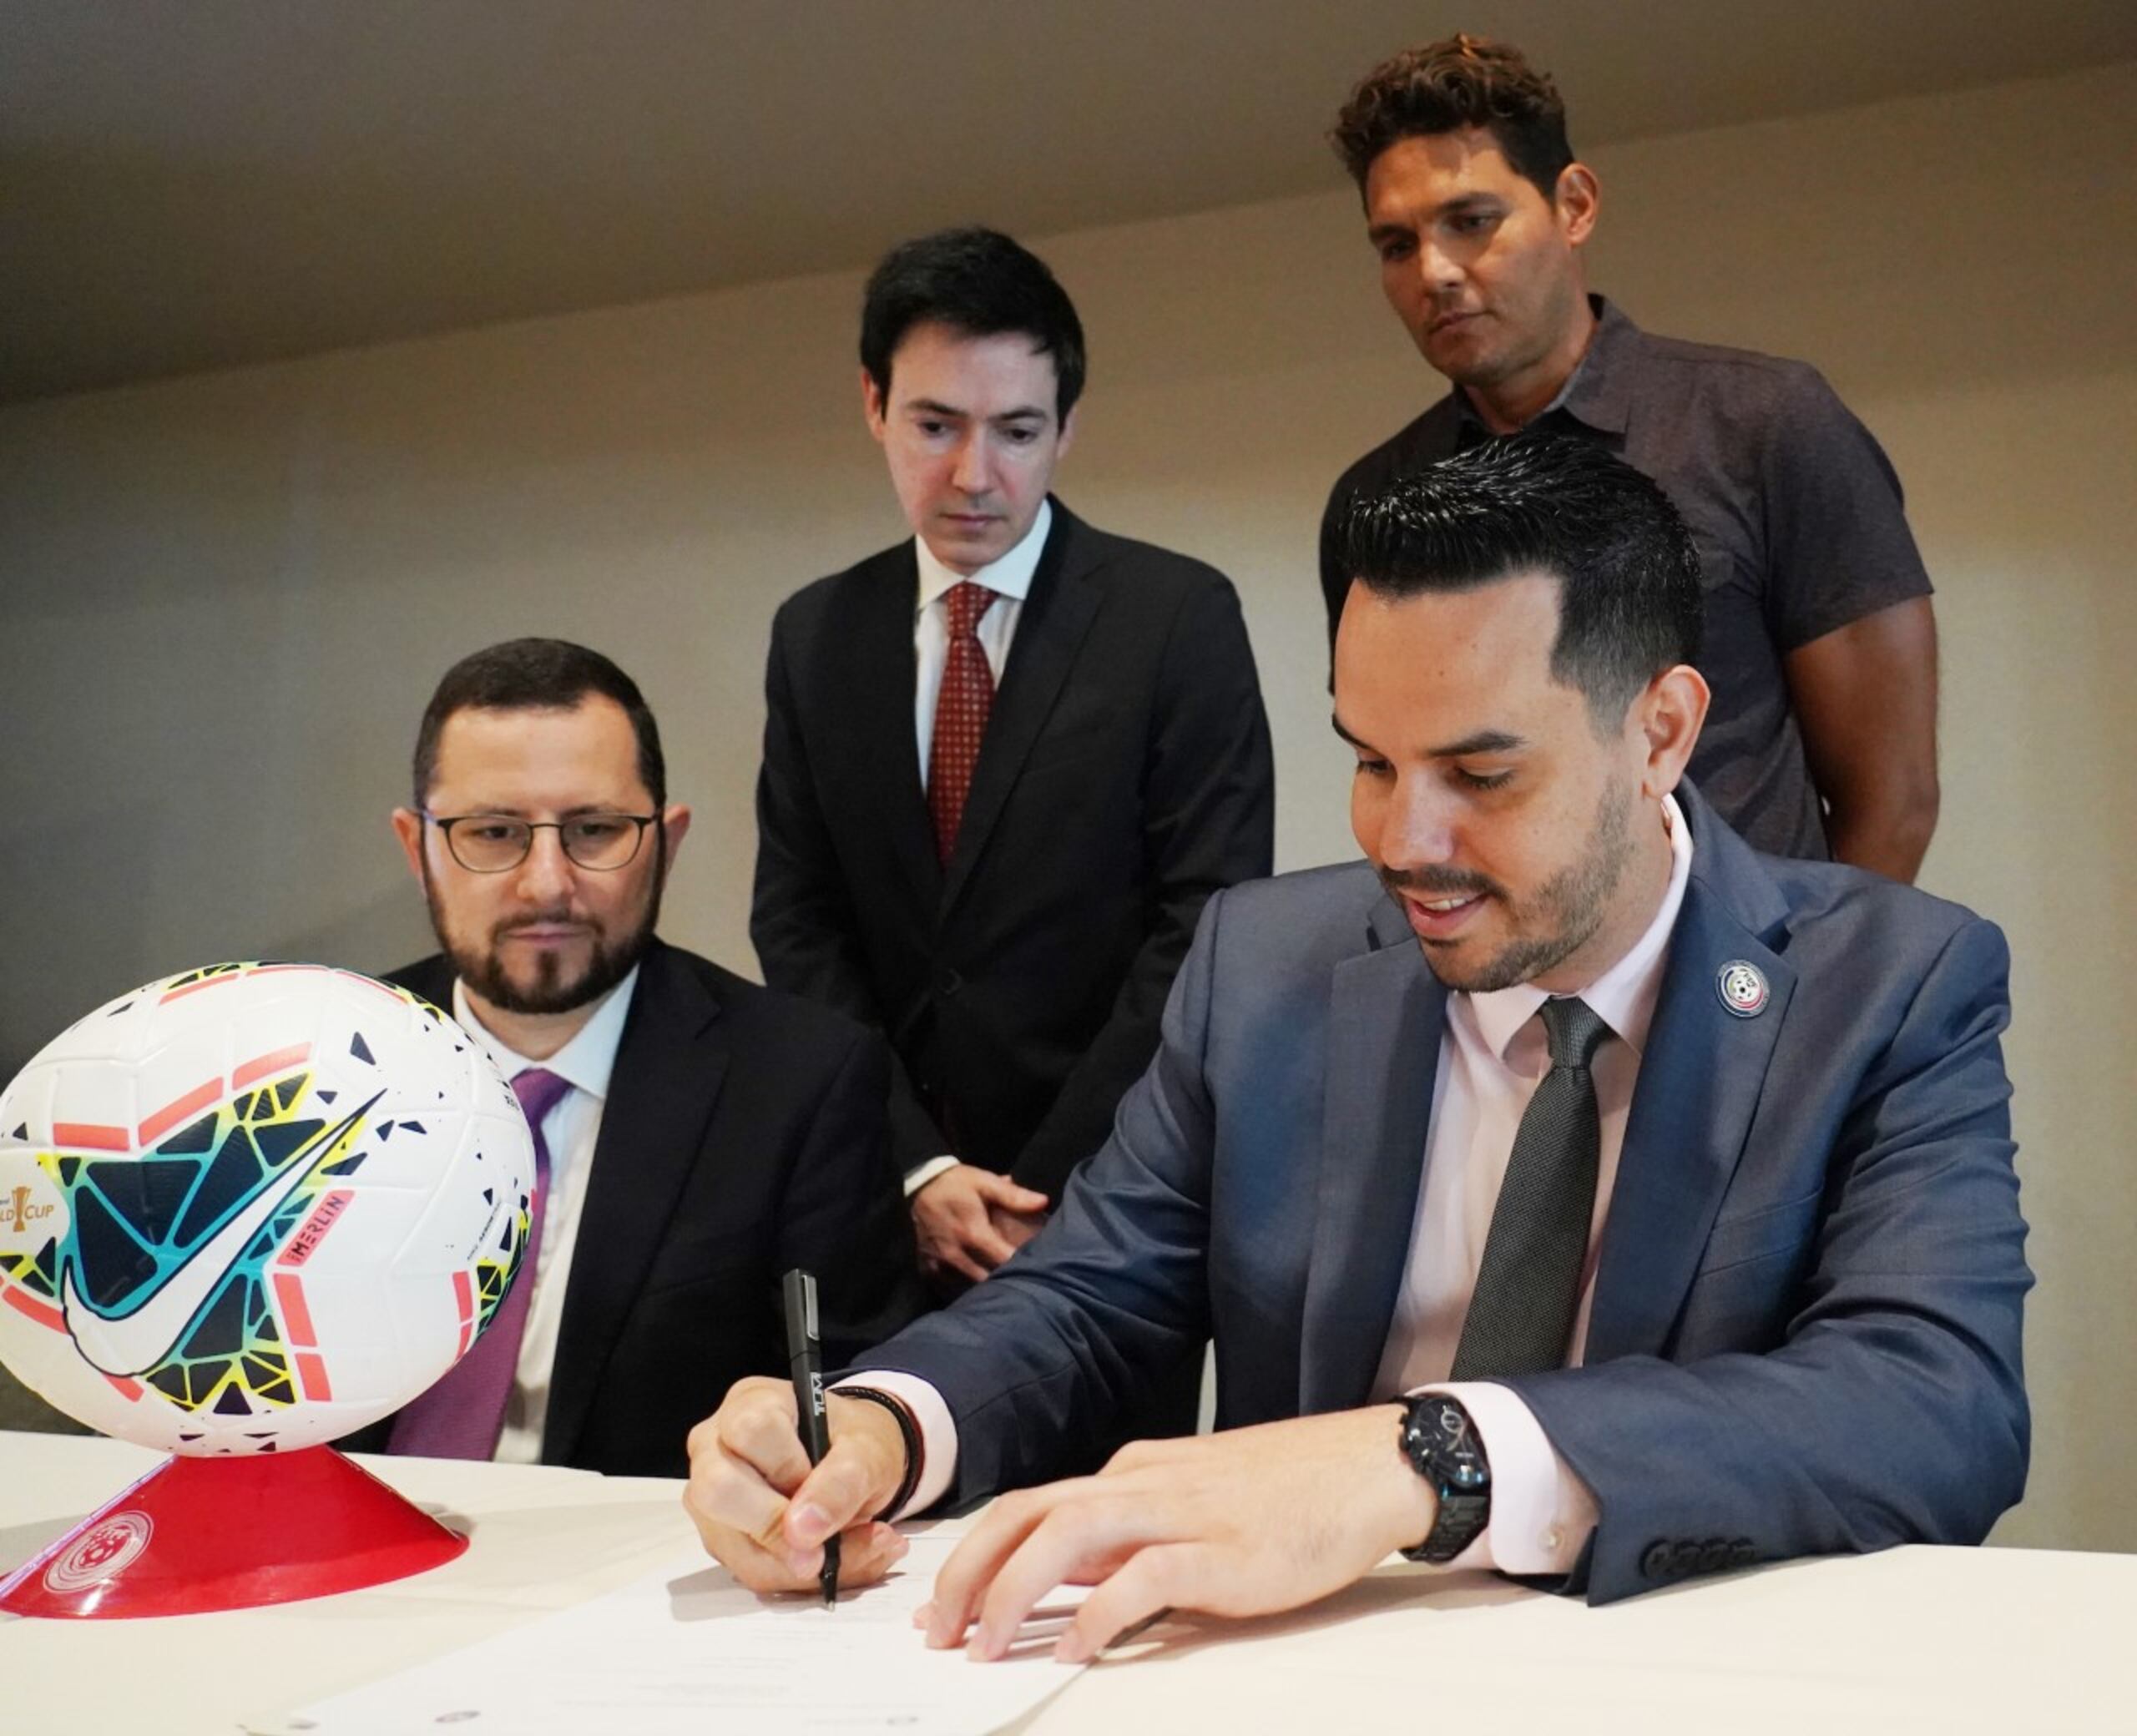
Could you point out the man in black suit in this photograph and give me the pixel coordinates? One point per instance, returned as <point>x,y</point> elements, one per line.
<point>1005,762</point>
<point>698,1136</point>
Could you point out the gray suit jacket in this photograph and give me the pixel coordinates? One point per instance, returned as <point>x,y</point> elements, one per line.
<point>1805,1334</point>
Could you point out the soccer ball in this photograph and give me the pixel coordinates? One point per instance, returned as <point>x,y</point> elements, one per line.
<point>252,1208</point>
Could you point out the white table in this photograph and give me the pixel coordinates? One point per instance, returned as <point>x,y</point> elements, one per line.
<point>1930,1640</point>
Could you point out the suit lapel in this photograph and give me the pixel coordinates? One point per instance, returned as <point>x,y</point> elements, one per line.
<point>1701,1076</point>
<point>872,694</point>
<point>669,1066</point>
<point>432,978</point>
<point>1057,614</point>
<point>1386,1014</point>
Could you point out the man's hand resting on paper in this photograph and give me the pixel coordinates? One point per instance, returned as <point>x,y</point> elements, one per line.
<point>1242,1523</point>
<point>969,1220</point>
<point>765,1514</point>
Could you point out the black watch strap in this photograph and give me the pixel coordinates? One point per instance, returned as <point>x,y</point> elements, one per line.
<point>1443,1445</point>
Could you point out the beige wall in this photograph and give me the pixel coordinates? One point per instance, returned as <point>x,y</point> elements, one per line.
<point>223,600</point>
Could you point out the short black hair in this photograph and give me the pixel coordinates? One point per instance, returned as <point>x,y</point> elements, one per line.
<point>979,282</point>
<point>537,675</point>
<point>1461,81</point>
<point>1630,599</point>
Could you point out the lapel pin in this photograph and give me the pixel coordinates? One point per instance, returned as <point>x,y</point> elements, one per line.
<point>1742,986</point>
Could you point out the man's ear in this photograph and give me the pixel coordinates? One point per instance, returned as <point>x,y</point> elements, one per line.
<point>675,822</point>
<point>1671,712</point>
<point>872,405</point>
<point>1068,434</point>
<point>1577,198</point>
<point>408,828</point>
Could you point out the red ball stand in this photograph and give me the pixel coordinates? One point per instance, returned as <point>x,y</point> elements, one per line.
<point>231,1533</point>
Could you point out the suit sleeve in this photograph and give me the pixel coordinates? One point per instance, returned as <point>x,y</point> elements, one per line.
<point>1208,821</point>
<point>1040,1364</point>
<point>1894,1411</point>
<point>801,907</point>
<point>842,1215</point>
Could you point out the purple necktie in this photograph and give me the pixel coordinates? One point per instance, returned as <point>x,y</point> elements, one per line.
<point>461,1416</point>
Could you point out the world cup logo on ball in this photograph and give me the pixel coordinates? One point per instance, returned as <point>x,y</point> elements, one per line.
<point>251,1208</point>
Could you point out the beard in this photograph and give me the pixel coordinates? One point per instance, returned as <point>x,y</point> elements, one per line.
<point>1556,921</point>
<point>555,988</point>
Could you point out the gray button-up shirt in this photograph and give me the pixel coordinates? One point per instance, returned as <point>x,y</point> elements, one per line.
<point>1795,510</point>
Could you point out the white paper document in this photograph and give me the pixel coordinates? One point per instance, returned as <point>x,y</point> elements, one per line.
<point>687,1650</point>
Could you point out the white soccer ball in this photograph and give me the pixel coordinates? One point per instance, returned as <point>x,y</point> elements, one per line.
<point>252,1208</point>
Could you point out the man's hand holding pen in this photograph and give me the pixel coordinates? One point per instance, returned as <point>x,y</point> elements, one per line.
<point>763,1511</point>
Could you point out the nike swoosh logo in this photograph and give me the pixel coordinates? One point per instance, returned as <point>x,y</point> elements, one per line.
<point>136,1342</point>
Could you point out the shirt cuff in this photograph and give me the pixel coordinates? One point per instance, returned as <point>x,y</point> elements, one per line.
<point>925,1171</point>
<point>1542,1513</point>
<point>938,1432</point>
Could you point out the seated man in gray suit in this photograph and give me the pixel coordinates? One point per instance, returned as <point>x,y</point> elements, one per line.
<point>1571,1191</point>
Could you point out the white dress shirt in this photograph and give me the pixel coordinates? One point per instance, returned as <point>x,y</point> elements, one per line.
<point>1010,579</point>
<point>1492,1054</point>
<point>570,1129</point>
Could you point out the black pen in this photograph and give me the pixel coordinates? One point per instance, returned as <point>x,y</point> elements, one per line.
<point>805,1360</point>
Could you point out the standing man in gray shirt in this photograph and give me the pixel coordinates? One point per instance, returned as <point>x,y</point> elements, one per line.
<point>1820,645</point>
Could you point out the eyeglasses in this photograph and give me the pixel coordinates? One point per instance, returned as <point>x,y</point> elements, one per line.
<point>495,843</point>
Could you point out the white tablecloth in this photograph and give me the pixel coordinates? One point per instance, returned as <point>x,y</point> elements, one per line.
<point>1931,1640</point>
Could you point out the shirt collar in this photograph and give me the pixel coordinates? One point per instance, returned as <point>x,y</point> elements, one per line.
<point>584,1064</point>
<point>1625,994</point>
<point>1598,393</point>
<point>1009,577</point>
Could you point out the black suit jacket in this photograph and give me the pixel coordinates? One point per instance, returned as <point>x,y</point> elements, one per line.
<point>1125,776</point>
<point>743,1135</point>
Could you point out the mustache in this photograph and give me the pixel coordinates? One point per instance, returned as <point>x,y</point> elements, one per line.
<point>1438,882</point>
<point>545,918</point>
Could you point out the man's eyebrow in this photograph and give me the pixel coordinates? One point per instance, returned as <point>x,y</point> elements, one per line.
<point>1484,741</point>
<point>1461,205</point>
<point>507,810</point>
<point>934,407</point>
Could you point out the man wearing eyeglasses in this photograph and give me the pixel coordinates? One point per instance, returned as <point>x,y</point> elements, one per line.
<point>696,1136</point>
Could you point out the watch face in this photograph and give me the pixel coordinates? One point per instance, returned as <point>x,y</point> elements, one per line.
<point>1442,1447</point>
<point>1439,1432</point>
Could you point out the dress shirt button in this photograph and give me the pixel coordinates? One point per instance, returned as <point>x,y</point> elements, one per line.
<point>947,983</point>
<point>1553,1540</point>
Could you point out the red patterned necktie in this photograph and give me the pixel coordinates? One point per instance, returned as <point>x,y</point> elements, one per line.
<point>462,1416</point>
<point>961,710</point>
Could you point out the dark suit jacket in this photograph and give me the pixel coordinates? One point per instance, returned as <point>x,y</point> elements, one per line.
<point>742,1136</point>
<point>1805,1333</point>
<point>1125,775</point>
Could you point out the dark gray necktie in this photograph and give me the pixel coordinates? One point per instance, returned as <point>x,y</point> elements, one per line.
<point>1521,1314</point>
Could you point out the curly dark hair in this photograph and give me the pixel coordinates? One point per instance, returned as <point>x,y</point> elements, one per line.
<point>1463,81</point>
<point>1629,602</point>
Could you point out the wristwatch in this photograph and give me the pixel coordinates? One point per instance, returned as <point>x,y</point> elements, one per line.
<point>1443,1446</point>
